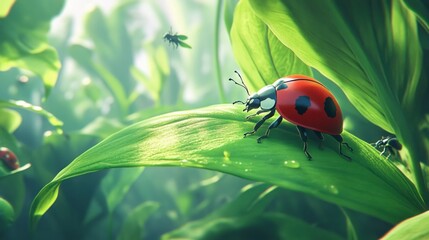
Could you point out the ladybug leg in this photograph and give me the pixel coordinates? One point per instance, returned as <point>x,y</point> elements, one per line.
<point>255,114</point>
<point>274,124</point>
<point>303,134</point>
<point>320,136</point>
<point>258,124</point>
<point>340,141</point>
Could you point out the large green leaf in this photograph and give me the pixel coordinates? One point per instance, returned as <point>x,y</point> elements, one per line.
<point>23,41</point>
<point>260,54</point>
<point>412,228</point>
<point>212,138</point>
<point>370,49</point>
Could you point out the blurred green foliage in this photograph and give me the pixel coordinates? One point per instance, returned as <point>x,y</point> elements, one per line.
<point>7,215</point>
<point>24,25</point>
<point>84,87</point>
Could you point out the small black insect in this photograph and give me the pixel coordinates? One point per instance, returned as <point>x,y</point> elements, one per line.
<point>389,144</point>
<point>176,39</point>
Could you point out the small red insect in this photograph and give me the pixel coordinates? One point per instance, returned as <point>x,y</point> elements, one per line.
<point>302,101</point>
<point>9,158</point>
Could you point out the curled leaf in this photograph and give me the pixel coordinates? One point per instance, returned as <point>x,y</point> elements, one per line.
<point>262,56</point>
<point>370,49</point>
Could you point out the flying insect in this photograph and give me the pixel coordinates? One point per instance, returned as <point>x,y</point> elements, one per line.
<point>176,39</point>
<point>391,145</point>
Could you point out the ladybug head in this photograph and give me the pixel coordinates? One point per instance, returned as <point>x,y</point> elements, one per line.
<point>265,99</point>
<point>9,158</point>
<point>252,102</point>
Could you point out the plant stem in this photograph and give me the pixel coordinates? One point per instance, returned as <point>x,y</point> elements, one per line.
<point>216,52</point>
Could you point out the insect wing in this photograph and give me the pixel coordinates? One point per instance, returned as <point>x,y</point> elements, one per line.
<point>182,37</point>
<point>183,44</point>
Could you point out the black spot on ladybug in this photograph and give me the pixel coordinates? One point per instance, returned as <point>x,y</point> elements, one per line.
<point>330,108</point>
<point>301,104</point>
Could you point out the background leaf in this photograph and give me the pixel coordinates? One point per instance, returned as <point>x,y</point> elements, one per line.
<point>55,122</point>
<point>421,8</point>
<point>228,13</point>
<point>211,138</point>
<point>412,228</point>
<point>266,226</point>
<point>7,215</point>
<point>261,56</point>
<point>5,7</point>
<point>10,119</point>
<point>133,227</point>
<point>24,39</point>
<point>116,185</point>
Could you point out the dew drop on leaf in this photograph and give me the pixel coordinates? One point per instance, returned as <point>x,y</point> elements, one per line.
<point>332,189</point>
<point>226,156</point>
<point>292,164</point>
<point>202,162</point>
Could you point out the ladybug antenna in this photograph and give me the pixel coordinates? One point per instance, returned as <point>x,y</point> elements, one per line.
<point>239,102</point>
<point>242,83</point>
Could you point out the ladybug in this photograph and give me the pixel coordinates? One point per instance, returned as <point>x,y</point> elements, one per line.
<point>389,144</point>
<point>9,158</point>
<point>300,100</point>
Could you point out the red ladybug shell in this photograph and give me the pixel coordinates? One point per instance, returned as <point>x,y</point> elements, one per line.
<point>307,103</point>
<point>9,158</point>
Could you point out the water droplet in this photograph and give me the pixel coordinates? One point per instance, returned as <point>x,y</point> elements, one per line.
<point>247,170</point>
<point>292,164</point>
<point>23,79</point>
<point>226,156</point>
<point>202,162</point>
<point>224,165</point>
<point>37,108</point>
<point>47,133</point>
<point>332,189</point>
